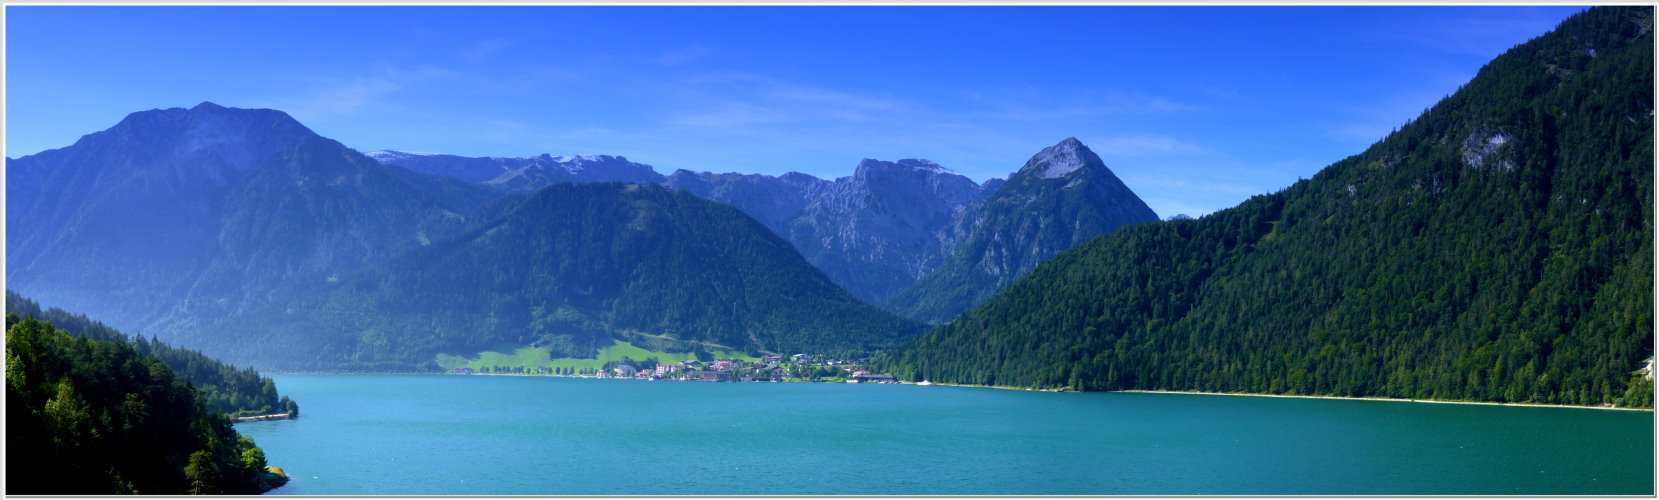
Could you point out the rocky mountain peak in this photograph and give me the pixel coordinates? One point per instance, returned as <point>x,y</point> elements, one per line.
<point>1061,159</point>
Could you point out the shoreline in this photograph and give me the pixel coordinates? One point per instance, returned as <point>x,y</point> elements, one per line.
<point>1139,391</point>
<point>1392,400</point>
<point>998,387</point>
<point>262,418</point>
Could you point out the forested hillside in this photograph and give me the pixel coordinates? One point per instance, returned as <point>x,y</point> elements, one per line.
<point>568,269</point>
<point>1497,248</point>
<point>94,417</point>
<point>225,389</point>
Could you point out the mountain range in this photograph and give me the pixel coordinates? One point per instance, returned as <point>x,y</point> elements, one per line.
<point>887,227</point>
<point>245,234</point>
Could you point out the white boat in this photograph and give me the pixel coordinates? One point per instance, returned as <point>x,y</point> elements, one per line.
<point>924,382</point>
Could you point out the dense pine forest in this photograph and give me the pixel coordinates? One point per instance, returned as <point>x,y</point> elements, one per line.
<point>1497,248</point>
<point>225,389</point>
<point>99,417</point>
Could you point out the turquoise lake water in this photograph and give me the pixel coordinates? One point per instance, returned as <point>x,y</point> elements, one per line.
<point>481,435</point>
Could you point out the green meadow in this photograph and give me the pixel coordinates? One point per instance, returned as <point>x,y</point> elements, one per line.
<point>535,357</point>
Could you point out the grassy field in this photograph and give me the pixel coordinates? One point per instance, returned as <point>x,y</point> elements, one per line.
<point>533,357</point>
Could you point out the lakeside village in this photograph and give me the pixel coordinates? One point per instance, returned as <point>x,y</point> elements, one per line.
<point>771,368</point>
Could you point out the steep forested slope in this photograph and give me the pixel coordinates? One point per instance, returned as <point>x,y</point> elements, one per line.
<point>91,417</point>
<point>1499,247</point>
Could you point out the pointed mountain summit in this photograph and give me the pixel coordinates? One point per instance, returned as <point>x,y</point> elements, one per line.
<point>1061,160</point>
<point>1063,196</point>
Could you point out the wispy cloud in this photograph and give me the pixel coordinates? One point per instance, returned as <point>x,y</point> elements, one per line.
<point>1217,92</point>
<point>344,97</point>
<point>1189,183</point>
<point>1136,145</point>
<point>484,49</point>
<point>1483,36</point>
<point>334,96</point>
<point>1365,124</point>
<point>684,54</point>
<point>735,103</point>
<point>730,116</point>
<point>1034,103</point>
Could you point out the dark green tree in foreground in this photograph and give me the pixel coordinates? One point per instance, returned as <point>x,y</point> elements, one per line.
<point>91,417</point>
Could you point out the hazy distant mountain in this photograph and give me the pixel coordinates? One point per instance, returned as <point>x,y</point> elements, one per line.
<point>525,173</point>
<point>567,268</point>
<point>1497,248</point>
<point>172,215</point>
<point>774,201</point>
<point>1062,197</point>
<point>1179,217</point>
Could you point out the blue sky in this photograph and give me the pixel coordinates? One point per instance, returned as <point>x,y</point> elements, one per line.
<point>1195,108</point>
